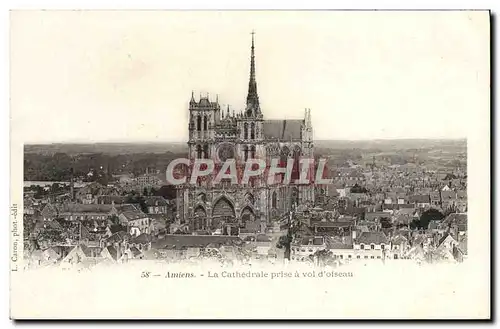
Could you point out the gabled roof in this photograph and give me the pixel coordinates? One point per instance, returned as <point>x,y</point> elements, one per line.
<point>109,199</point>
<point>282,129</point>
<point>448,195</point>
<point>316,223</point>
<point>133,215</point>
<point>70,208</point>
<point>372,237</point>
<point>135,252</point>
<point>310,240</point>
<point>420,198</point>
<point>434,224</point>
<point>186,241</point>
<point>155,201</point>
<point>262,238</point>
<point>141,239</point>
<point>456,218</point>
<point>126,207</point>
<point>446,236</point>
<point>117,237</point>
<point>113,252</point>
<point>399,239</point>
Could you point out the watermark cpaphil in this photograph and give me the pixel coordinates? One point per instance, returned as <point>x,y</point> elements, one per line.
<point>273,171</point>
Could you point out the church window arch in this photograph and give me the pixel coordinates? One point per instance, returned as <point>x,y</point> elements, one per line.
<point>205,123</point>
<point>249,198</point>
<point>245,130</point>
<point>252,130</point>
<point>247,215</point>
<point>223,209</point>
<point>198,123</point>
<point>245,152</point>
<point>198,151</point>
<point>205,151</point>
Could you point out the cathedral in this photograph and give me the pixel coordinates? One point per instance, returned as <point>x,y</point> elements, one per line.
<point>218,134</point>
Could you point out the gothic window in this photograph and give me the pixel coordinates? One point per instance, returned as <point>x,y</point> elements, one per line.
<point>205,151</point>
<point>249,198</point>
<point>284,155</point>
<point>252,150</point>
<point>198,125</point>
<point>205,124</point>
<point>274,200</point>
<point>198,152</point>
<point>245,152</point>
<point>296,163</point>
<point>252,130</point>
<point>245,131</point>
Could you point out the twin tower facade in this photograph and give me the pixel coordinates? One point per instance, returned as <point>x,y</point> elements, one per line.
<point>218,134</point>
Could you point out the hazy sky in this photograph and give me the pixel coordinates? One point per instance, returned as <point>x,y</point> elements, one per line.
<point>128,76</point>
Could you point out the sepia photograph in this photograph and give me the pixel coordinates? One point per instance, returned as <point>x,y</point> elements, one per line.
<point>249,164</point>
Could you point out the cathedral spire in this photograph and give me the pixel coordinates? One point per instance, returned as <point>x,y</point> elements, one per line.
<point>192,101</point>
<point>253,107</point>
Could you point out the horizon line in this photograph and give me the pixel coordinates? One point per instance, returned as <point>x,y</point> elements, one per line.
<point>185,142</point>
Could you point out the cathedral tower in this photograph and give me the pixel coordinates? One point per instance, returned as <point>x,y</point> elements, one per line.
<point>250,125</point>
<point>203,117</point>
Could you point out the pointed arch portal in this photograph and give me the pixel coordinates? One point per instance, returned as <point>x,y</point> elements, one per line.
<point>247,214</point>
<point>223,209</point>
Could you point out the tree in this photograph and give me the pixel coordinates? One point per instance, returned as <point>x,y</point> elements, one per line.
<point>386,223</point>
<point>430,215</point>
<point>28,225</point>
<point>426,217</point>
<point>51,235</point>
<point>358,189</point>
<point>167,191</point>
<point>134,198</point>
<point>283,241</point>
<point>115,220</point>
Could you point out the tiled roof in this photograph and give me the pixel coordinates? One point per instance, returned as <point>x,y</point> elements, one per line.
<point>117,237</point>
<point>456,218</point>
<point>330,224</point>
<point>339,245</point>
<point>157,201</point>
<point>262,238</point>
<point>48,224</point>
<point>444,238</point>
<point>109,199</point>
<point>399,239</point>
<point>434,224</point>
<point>448,195</point>
<point>85,208</point>
<point>186,241</point>
<point>133,215</point>
<point>420,199</point>
<point>113,252</point>
<point>135,251</point>
<point>310,240</point>
<point>126,207</point>
<point>142,239</point>
<point>282,129</point>
<point>369,216</point>
<point>372,237</point>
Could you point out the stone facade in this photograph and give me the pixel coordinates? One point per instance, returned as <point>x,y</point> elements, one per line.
<point>241,136</point>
